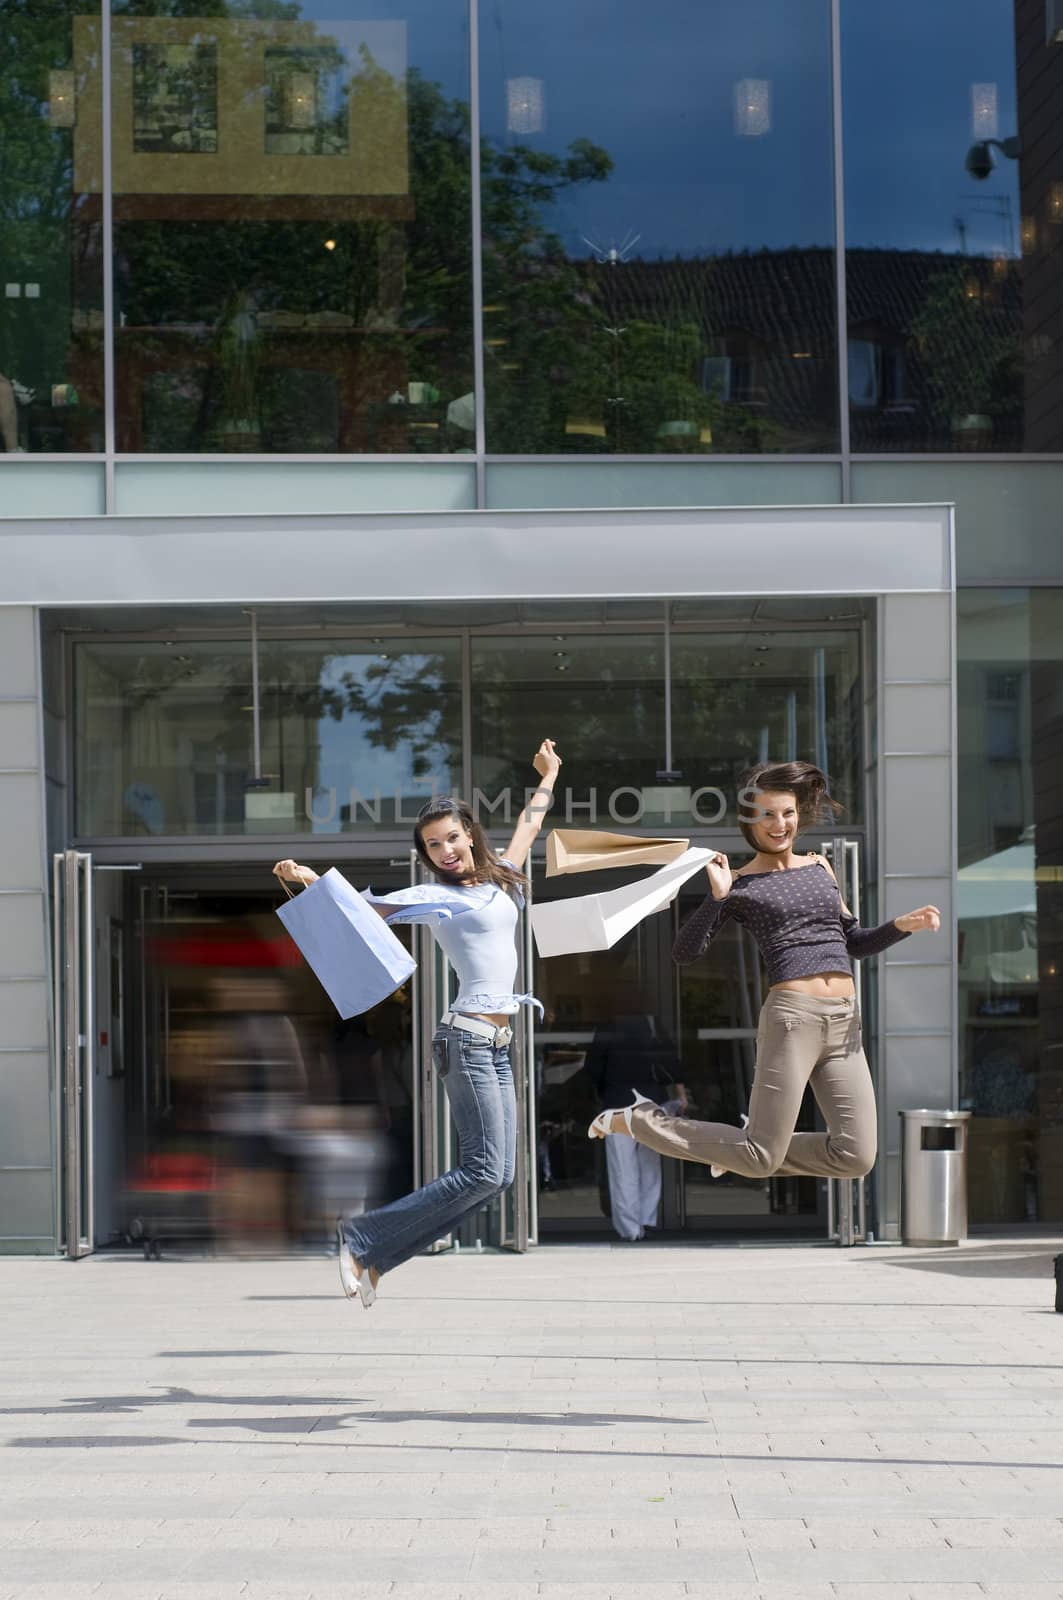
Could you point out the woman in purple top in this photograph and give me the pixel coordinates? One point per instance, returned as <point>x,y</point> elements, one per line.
<point>809,1030</point>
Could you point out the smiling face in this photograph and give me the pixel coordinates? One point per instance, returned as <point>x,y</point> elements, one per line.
<point>448,847</point>
<point>775,828</point>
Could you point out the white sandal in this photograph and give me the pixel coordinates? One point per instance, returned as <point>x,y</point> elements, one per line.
<point>718,1172</point>
<point>355,1283</point>
<point>602,1125</point>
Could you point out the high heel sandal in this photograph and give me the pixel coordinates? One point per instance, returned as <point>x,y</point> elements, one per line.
<point>718,1172</point>
<point>602,1125</point>
<point>354,1283</point>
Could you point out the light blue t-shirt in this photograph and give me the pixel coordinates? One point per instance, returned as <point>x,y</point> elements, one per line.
<point>475,925</point>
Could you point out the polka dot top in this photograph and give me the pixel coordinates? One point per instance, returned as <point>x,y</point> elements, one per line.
<point>797,919</point>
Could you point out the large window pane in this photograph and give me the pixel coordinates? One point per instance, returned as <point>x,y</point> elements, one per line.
<point>752,696</point>
<point>354,736</point>
<point>737,697</point>
<point>658,227</point>
<point>1010,903</point>
<point>954,218</point>
<point>292,228</point>
<point>51,298</point>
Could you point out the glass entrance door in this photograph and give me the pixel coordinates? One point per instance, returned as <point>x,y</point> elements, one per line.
<point>74,1031</point>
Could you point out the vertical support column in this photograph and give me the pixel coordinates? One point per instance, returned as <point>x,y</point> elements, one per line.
<point>476,221</point>
<point>917,865</point>
<point>840,284</point>
<point>107,252</point>
<point>27,1212</point>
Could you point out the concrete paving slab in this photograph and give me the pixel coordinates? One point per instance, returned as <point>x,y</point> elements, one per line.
<point>776,1424</point>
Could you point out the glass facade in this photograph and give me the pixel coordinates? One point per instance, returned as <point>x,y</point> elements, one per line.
<point>293,228</point>
<point>349,732</point>
<point>355,732</point>
<point>51,237</point>
<point>658,228</point>
<point>954,211</point>
<point>1010,904</point>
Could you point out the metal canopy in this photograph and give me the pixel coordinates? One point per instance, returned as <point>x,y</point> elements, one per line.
<point>468,556</point>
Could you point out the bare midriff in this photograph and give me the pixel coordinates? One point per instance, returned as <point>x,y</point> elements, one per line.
<point>501,1021</point>
<point>823,985</point>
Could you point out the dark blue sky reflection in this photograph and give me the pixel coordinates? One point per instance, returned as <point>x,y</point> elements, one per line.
<point>654,83</point>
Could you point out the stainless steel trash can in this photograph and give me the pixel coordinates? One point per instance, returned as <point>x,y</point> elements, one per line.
<point>934,1177</point>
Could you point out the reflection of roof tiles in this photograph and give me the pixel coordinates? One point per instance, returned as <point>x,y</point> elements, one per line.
<point>779,307</point>
<point>782,292</point>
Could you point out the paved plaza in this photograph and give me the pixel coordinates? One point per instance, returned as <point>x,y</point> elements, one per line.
<point>580,1423</point>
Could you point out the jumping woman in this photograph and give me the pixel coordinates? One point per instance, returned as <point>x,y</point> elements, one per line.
<point>809,1030</point>
<point>472,909</point>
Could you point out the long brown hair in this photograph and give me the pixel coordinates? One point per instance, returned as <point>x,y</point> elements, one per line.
<point>489,869</point>
<point>808,785</point>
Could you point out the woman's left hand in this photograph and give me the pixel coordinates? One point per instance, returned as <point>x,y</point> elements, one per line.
<point>546,760</point>
<point>927,918</point>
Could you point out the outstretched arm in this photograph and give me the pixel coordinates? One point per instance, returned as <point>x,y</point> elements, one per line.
<point>290,871</point>
<point>863,943</point>
<point>547,764</point>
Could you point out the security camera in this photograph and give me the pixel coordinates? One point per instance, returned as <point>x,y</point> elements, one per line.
<point>979,161</point>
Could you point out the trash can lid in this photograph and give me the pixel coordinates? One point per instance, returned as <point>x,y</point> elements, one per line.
<point>938,1116</point>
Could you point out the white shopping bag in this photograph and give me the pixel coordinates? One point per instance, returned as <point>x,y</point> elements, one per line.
<point>357,959</point>
<point>597,921</point>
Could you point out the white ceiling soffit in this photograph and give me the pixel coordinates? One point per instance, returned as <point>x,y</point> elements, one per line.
<point>845,550</point>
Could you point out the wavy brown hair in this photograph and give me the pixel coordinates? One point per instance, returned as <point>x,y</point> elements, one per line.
<point>488,868</point>
<point>808,785</point>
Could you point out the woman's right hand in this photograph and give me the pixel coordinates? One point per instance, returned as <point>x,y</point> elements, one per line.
<point>720,875</point>
<point>294,872</point>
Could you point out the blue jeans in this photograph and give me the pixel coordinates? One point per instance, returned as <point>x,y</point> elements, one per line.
<point>478,1080</point>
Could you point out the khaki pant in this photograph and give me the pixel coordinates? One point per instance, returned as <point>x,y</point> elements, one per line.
<point>800,1040</point>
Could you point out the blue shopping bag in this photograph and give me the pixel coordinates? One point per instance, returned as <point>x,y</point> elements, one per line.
<point>351,950</point>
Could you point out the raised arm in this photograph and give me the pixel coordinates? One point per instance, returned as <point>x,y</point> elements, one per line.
<point>547,764</point>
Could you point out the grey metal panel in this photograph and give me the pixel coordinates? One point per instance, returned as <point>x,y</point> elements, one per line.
<point>917,866</point>
<point>22,950</point>
<point>905,894</point>
<point>918,1073</point>
<point>25,1075</point>
<point>916,717</point>
<point>18,674</point>
<point>18,734</point>
<point>917,997</point>
<point>867,550</point>
<point>23,1011</point>
<point>21,804</point>
<point>916,819</point>
<point>25,1113</point>
<point>26,1207</point>
<point>916,644</point>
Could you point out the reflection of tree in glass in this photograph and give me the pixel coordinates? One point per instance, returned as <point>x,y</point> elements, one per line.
<point>970,345</point>
<point>407,702</point>
<point>37,208</point>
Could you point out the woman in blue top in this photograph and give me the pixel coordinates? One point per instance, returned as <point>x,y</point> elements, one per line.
<point>472,910</point>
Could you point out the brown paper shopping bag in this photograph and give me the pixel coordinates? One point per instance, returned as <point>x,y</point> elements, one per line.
<point>586,850</point>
